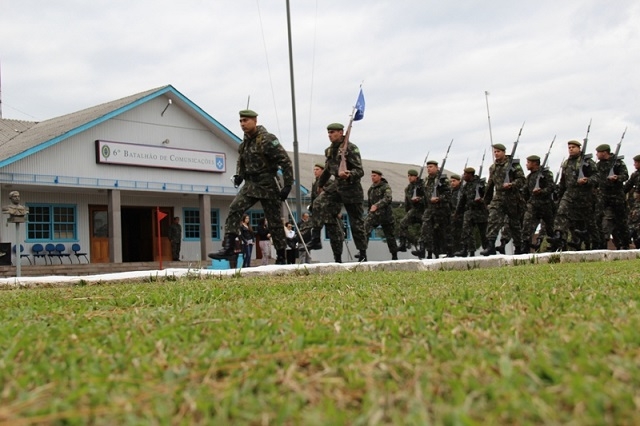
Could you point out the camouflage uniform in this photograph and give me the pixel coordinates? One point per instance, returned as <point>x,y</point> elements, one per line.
<point>634,219</point>
<point>414,210</point>
<point>505,204</point>
<point>629,187</point>
<point>540,206</point>
<point>436,219</point>
<point>456,221</point>
<point>260,156</point>
<point>474,214</point>
<point>349,191</point>
<point>325,213</point>
<point>612,203</point>
<point>380,196</point>
<point>576,201</point>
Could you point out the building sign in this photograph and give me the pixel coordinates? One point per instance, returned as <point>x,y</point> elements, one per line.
<point>130,154</point>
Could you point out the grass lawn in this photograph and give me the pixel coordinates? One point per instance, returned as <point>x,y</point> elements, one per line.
<point>531,344</point>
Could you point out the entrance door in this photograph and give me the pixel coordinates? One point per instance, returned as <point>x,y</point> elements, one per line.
<point>99,234</point>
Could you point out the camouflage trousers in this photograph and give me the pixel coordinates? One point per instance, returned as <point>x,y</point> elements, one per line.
<point>614,221</point>
<point>331,202</point>
<point>473,219</point>
<point>456,233</point>
<point>413,216</point>
<point>327,213</point>
<point>373,220</point>
<point>436,230</point>
<point>634,224</point>
<point>535,214</point>
<point>505,211</point>
<point>272,211</point>
<point>573,214</point>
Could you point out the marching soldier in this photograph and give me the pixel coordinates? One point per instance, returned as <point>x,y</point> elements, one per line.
<point>473,211</point>
<point>537,192</point>
<point>380,212</point>
<point>413,206</point>
<point>325,213</point>
<point>612,175</point>
<point>456,221</point>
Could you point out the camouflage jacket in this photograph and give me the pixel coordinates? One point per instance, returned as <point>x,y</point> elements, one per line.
<point>632,183</point>
<point>380,195</point>
<point>260,156</point>
<point>497,174</point>
<point>351,187</point>
<point>443,192</point>
<point>569,179</point>
<point>468,197</point>
<point>456,194</point>
<point>416,187</point>
<point>547,187</point>
<point>607,188</point>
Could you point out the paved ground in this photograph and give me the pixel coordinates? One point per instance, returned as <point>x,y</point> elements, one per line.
<point>326,268</point>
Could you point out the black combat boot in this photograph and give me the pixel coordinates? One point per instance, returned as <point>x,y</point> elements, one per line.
<point>557,242</point>
<point>231,246</point>
<point>461,253</point>
<point>337,258</point>
<point>420,252</point>
<point>280,257</point>
<point>362,256</point>
<point>501,248</point>
<point>430,255</point>
<point>403,245</point>
<point>394,256</point>
<point>315,243</point>
<point>490,250</point>
<point>525,248</point>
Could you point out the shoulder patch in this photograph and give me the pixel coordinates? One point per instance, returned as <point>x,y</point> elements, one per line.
<point>275,142</point>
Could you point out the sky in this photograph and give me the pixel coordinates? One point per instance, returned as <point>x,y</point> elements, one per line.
<point>424,66</point>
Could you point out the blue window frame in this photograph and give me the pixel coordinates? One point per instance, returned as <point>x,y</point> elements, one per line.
<point>191,224</point>
<point>215,224</point>
<point>254,217</point>
<point>52,222</point>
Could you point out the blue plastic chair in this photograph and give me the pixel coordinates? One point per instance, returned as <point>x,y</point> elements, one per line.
<point>75,248</point>
<point>52,252</point>
<point>38,251</point>
<point>60,248</point>
<point>22,254</point>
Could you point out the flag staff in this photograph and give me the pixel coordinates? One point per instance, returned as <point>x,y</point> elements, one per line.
<point>296,162</point>
<point>486,98</point>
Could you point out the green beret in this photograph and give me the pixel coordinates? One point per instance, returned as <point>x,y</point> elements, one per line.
<point>603,147</point>
<point>499,146</point>
<point>319,165</point>
<point>378,172</point>
<point>470,170</point>
<point>335,126</point>
<point>456,177</point>
<point>574,142</point>
<point>636,158</point>
<point>248,113</point>
<point>434,162</point>
<point>533,158</point>
<point>414,172</point>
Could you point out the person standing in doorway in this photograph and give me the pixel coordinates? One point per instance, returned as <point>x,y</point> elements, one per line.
<point>248,240</point>
<point>175,237</point>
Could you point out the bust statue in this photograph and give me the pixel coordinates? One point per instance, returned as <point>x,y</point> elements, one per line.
<point>15,208</point>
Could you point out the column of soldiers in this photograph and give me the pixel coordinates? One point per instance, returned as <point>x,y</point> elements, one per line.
<point>591,203</point>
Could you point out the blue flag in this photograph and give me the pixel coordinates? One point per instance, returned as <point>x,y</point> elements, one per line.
<point>359,107</point>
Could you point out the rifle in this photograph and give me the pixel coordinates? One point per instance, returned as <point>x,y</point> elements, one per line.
<point>555,194</point>
<point>415,187</point>
<point>507,179</point>
<point>583,153</point>
<point>480,176</point>
<point>434,194</point>
<point>544,165</point>
<point>615,156</point>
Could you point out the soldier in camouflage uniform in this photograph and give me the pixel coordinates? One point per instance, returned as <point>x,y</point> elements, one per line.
<point>436,220</point>
<point>537,192</point>
<point>413,206</point>
<point>456,221</point>
<point>473,211</point>
<point>504,205</point>
<point>349,189</point>
<point>633,183</point>
<point>325,213</point>
<point>380,211</point>
<point>634,219</point>
<point>612,176</point>
<point>576,196</point>
<point>260,157</point>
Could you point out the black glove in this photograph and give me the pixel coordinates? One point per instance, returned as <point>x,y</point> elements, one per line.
<point>284,192</point>
<point>237,180</point>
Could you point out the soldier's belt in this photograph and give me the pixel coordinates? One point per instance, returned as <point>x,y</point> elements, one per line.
<point>259,176</point>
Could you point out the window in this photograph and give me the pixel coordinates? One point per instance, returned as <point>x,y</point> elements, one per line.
<point>254,218</point>
<point>191,225</point>
<point>215,224</point>
<point>51,222</point>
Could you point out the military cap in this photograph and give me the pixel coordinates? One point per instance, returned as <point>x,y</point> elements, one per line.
<point>320,165</point>
<point>378,172</point>
<point>335,126</point>
<point>248,113</point>
<point>603,147</point>
<point>434,162</point>
<point>470,170</point>
<point>533,158</point>
<point>574,142</point>
<point>456,177</point>
<point>414,172</point>
<point>499,146</point>
<point>636,158</point>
